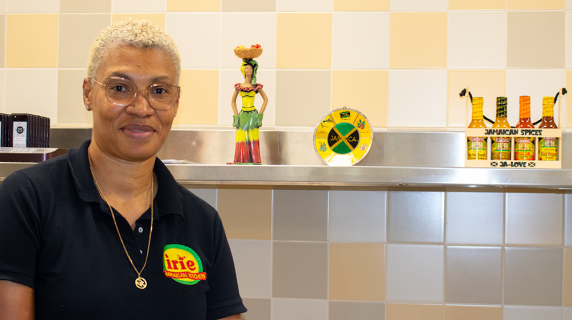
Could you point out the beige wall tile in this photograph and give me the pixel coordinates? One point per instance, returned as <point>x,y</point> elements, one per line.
<point>242,217</point>
<point>488,84</point>
<point>131,6</point>
<point>567,283</point>
<point>366,91</point>
<point>2,39</point>
<point>199,98</point>
<point>85,6</point>
<point>357,271</point>
<point>395,311</point>
<point>29,6</point>
<point>248,6</point>
<point>304,40</point>
<point>536,4</point>
<point>156,18</point>
<point>418,40</point>
<point>42,102</point>
<point>71,109</point>
<point>296,106</point>
<point>32,41</point>
<point>76,35</point>
<point>472,313</point>
<point>568,101</point>
<point>476,4</point>
<point>536,39</point>
<point>193,5</point>
<point>361,5</point>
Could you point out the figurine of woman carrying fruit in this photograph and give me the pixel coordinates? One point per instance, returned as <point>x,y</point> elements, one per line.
<point>247,122</point>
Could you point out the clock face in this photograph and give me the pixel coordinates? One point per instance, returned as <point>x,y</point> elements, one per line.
<point>343,137</point>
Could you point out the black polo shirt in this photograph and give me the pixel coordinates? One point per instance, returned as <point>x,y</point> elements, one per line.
<point>57,236</point>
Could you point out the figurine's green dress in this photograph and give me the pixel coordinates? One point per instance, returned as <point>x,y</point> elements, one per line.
<point>247,148</point>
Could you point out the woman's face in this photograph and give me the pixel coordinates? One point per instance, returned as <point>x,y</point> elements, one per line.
<point>134,132</point>
<point>247,70</point>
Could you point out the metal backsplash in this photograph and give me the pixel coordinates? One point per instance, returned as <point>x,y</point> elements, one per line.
<point>399,149</point>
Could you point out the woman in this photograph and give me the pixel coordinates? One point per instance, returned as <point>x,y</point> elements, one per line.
<point>105,232</point>
<point>247,122</point>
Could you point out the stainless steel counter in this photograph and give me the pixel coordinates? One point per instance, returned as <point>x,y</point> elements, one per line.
<point>415,159</point>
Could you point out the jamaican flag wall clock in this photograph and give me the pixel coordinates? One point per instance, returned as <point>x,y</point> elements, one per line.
<point>343,137</point>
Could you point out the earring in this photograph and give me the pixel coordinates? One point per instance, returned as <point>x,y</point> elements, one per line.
<point>87,108</point>
<point>175,114</point>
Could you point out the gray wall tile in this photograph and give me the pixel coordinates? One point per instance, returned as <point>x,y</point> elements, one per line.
<point>253,260</point>
<point>534,218</point>
<point>415,216</point>
<point>475,218</point>
<point>473,275</point>
<point>209,195</point>
<point>300,270</point>
<point>357,216</point>
<point>258,309</point>
<point>300,215</point>
<point>533,276</point>
<point>531,313</point>
<point>344,310</point>
<point>299,309</point>
<point>568,220</point>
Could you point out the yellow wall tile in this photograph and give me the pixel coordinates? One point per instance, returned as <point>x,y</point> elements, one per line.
<point>567,283</point>
<point>357,271</point>
<point>2,39</point>
<point>304,41</point>
<point>156,18</point>
<point>488,84</point>
<point>243,217</point>
<point>365,91</point>
<point>199,98</point>
<point>85,6</point>
<point>193,5</point>
<point>394,311</point>
<point>476,4</point>
<point>418,40</point>
<point>32,41</point>
<point>537,4</point>
<point>361,5</point>
<point>472,313</point>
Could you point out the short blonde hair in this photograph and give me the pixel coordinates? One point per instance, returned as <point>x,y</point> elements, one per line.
<point>138,33</point>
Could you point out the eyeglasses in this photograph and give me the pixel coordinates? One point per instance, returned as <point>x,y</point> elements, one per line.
<point>122,92</point>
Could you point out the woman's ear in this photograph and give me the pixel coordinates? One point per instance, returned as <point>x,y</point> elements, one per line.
<point>87,93</point>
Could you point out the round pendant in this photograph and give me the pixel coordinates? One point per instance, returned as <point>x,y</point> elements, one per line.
<point>141,283</point>
<point>343,137</point>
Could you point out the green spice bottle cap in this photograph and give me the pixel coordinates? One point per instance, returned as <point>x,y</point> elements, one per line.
<point>501,101</point>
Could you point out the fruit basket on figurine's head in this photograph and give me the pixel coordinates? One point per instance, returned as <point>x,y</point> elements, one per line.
<point>248,53</point>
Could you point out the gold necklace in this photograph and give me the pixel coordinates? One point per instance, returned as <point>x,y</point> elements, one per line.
<point>140,282</point>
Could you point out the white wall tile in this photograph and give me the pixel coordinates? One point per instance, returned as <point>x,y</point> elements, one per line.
<point>418,5</point>
<point>476,39</point>
<point>227,80</point>
<point>531,313</point>
<point>360,220</point>
<point>414,273</point>
<point>197,36</point>
<point>304,5</point>
<point>131,6</point>
<point>534,218</point>
<point>536,84</point>
<point>568,4</point>
<point>299,309</point>
<point>480,222</point>
<point>360,40</point>
<point>3,6</point>
<point>26,6</point>
<point>253,260</point>
<point>232,36</point>
<point>417,98</point>
<point>44,100</point>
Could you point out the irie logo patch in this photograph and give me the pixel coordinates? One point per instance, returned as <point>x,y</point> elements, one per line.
<point>182,264</point>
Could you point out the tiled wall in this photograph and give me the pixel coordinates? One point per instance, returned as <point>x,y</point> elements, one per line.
<point>399,254</point>
<point>400,62</point>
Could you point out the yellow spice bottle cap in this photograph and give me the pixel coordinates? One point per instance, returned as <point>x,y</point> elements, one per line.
<point>547,100</point>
